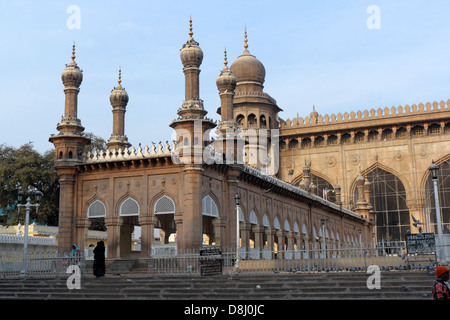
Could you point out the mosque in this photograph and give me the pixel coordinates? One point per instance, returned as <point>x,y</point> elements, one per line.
<point>263,182</point>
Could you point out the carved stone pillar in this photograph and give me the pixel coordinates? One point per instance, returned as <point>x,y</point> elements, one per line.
<point>147,224</point>
<point>113,236</point>
<point>219,230</point>
<point>259,236</point>
<point>82,227</point>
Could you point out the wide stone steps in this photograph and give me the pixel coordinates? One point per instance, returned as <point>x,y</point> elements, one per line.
<point>342,285</point>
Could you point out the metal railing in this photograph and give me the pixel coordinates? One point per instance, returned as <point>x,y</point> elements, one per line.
<point>38,264</point>
<point>311,259</point>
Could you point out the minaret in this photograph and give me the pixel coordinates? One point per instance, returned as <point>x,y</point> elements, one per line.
<point>119,100</point>
<point>191,124</point>
<point>190,127</point>
<point>69,147</point>
<point>226,141</point>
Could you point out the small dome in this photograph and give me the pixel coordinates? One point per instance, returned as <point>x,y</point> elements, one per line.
<point>119,97</point>
<point>360,179</point>
<point>226,80</point>
<point>190,53</point>
<point>72,76</point>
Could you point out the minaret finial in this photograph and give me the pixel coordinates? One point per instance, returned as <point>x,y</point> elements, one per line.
<point>120,77</point>
<point>245,38</point>
<point>225,62</point>
<point>73,51</point>
<point>190,29</point>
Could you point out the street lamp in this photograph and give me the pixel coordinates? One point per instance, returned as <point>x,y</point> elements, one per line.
<point>322,221</point>
<point>237,200</point>
<point>434,170</point>
<point>36,196</point>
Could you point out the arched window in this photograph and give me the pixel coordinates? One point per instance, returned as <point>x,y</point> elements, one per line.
<point>252,120</point>
<point>287,227</point>
<point>96,209</point>
<point>332,140</point>
<point>346,138</point>
<point>324,189</point>
<point>253,218</point>
<point>129,207</point>
<point>293,143</point>
<point>402,132</point>
<point>276,223</point>
<point>388,198</point>
<point>209,207</point>
<point>306,142</point>
<point>240,120</point>
<point>266,221</point>
<point>164,205</point>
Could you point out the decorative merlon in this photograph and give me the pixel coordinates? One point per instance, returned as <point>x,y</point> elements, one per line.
<point>365,115</point>
<point>155,151</point>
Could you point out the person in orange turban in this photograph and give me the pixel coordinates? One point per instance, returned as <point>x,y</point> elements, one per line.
<point>441,289</point>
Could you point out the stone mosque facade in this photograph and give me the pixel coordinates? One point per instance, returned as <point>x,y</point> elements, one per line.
<point>343,179</point>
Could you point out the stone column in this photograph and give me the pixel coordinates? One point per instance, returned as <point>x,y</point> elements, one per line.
<point>66,212</point>
<point>126,230</point>
<point>219,230</point>
<point>192,215</point>
<point>280,235</point>
<point>113,236</point>
<point>259,237</point>
<point>147,224</point>
<point>245,236</point>
<point>82,227</point>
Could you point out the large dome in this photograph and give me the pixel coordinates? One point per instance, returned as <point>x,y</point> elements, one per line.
<point>247,68</point>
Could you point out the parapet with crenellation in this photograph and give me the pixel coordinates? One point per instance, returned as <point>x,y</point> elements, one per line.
<point>400,114</point>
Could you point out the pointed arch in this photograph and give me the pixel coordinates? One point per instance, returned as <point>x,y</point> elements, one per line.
<point>265,221</point>
<point>276,223</point>
<point>129,207</point>
<point>378,165</point>
<point>97,209</point>
<point>287,226</point>
<point>253,217</point>
<point>209,207</point>
<point>164,205</point>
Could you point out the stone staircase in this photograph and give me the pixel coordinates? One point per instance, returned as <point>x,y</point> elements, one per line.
<point>139,285</point>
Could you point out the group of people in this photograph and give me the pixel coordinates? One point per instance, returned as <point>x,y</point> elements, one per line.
<point>99,258</point>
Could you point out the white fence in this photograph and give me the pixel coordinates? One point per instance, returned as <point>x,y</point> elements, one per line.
<point>387,257</point>
<point>37,264</point>
<point>43,241</point>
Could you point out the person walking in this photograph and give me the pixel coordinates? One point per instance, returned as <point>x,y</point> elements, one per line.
<point>441,289</point>
<point>99,259</point>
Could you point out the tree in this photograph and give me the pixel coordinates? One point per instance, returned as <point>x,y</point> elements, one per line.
<point>26,169</point>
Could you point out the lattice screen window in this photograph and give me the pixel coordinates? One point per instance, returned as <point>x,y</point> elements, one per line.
<point>96,210</point>
<point>266,221</point>
<point>129,207</point>
<point>253,218</point>
<point>164,205</point>
<point>276,223</point>
<point>209,207</point>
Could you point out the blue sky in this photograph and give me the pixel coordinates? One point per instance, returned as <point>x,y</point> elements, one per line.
<point>315,53</point>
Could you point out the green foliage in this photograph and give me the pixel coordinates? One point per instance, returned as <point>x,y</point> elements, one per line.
<point>26,169</point>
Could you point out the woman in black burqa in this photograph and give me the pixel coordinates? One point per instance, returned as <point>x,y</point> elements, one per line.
<point>99,259</point>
